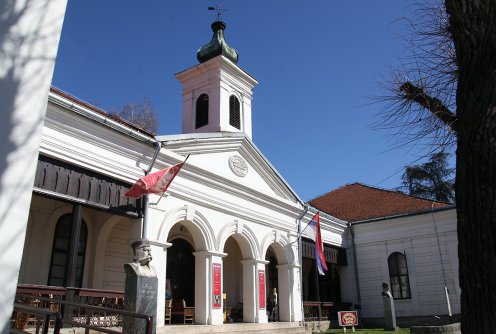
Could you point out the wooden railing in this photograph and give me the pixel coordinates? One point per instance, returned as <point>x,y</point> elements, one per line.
<point>318,311</point>
<point>87,322</point>
<point>43,319</point>
<point>77,301</point>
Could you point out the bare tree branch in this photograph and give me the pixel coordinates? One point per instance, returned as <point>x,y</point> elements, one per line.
<point>419,100</point>
<point>140,114</point>
<point>434,105</point>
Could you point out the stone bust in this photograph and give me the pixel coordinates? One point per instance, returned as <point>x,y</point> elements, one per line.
<point>385,290</point>
<point>142,258</point>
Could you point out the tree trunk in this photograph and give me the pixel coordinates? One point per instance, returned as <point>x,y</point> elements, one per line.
<point>473,26</point>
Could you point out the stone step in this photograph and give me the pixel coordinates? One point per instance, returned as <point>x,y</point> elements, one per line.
<point>269,328</point>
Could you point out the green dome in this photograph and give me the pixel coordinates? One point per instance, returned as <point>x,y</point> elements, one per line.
<point>217,45</point>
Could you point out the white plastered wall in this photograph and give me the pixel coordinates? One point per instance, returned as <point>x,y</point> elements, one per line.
<point>415,237</point>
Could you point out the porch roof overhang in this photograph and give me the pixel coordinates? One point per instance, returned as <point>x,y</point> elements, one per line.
<point>332,254</point>
<point>66,182</point>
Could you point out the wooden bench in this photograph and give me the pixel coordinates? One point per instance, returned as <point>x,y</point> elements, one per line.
<point>179,309</point>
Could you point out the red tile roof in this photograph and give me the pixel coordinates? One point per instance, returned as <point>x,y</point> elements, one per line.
<point>356,202</point>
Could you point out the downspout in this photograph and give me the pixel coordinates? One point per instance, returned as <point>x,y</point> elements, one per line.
<point>300,260</point>
<point>446,292</point>
<point>355,262</point>
<point>144,226</point>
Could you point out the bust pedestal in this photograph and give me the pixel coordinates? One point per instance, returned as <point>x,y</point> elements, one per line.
<point>389,312</point>
<point>140,296</point>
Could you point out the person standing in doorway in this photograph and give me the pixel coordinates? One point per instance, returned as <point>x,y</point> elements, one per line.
<point>272,305</point>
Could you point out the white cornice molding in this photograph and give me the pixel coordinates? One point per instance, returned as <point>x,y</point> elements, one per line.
<point>407,227</point>
<point>234,208</point>
<point>74,138</point>
<point>214,65</point>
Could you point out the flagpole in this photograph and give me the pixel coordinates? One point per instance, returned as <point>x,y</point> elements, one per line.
<point>305,226</point>
<point>144,225</point>
<point>300,260</point>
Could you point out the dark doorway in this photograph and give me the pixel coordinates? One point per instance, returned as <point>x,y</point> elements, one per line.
<point>61,251</point>
<point>181,271</point>
<point>272,274</point>
<point>329,287</point>
<point>329,284</point>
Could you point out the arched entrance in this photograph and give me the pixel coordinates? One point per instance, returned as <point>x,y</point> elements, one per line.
<point>180,278</point>
<point>272,282</point>
<point>233,281</point>
<point>280,275</point>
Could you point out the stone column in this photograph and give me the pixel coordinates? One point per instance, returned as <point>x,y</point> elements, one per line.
<point>252,312</point>
<point>288,294</point>
<point>205,313</point>
<point>159,251</point>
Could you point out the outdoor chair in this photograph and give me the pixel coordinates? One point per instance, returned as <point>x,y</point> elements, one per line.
<point>168,311</point>
<point>179,309</point>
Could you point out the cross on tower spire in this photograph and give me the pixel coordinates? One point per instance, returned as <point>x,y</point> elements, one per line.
<point>218,8</point>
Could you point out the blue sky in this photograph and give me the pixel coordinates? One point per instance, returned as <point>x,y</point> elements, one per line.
<point>318,64</point>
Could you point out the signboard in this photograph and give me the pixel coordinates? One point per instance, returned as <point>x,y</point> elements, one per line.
<point>348,318</point>
<point>217,296</point>
<point>261,287</point>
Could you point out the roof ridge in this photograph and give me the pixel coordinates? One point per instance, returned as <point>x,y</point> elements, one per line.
<point>343,186</point>
<point>399,192</point>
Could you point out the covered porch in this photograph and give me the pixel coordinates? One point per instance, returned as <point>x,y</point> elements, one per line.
<point>77,242</point>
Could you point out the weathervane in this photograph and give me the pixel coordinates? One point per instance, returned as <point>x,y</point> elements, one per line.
<point>219,10</point>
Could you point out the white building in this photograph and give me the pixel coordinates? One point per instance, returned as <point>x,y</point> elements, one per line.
<point>228,223</point>
<point>407,242</point>
<point>228,210</point>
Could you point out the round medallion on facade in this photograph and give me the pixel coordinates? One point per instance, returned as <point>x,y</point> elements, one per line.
<point>238,165</point>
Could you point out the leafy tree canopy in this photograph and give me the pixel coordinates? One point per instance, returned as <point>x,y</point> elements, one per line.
<point>432,180</point>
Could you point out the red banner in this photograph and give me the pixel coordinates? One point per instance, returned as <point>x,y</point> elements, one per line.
<point>217,296</point>
<point>261,286</point>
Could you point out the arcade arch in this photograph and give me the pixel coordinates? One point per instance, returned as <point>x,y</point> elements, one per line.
<point>279,276</point>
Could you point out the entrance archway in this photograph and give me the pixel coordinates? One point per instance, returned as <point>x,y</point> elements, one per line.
<point>272,275</point>
<point>279,275</point>
<point>233,281</point>
<point>180,278</point>
<point>272,282</point>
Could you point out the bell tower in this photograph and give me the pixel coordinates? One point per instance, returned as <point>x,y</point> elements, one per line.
<point>217,93</point>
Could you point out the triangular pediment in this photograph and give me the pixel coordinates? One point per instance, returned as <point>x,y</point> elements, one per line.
<point>234,158</point>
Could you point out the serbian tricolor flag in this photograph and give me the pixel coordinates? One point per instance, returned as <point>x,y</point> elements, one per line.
<point>154,183</point>
<point>319,247</point>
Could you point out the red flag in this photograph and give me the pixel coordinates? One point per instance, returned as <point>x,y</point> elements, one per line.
<point>154,183</point>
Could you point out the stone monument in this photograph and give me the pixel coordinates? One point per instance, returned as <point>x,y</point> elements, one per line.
<point>140,289</point>
<point>389,313</point>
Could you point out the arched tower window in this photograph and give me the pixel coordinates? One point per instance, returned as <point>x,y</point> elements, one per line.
<point>61,252</point>
<point>234,112</point>
<point>398,275</point>
<point>201,111</point>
